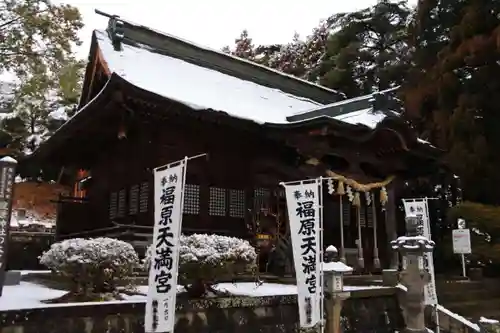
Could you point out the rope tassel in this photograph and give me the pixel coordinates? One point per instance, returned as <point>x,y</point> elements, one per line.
<point>341,190</point>
<point>383,196</point>
<point>356,201</point>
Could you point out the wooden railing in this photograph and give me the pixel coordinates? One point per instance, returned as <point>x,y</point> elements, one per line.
<point>442,320</point>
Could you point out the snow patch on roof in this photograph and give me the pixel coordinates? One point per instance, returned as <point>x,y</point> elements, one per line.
<point>198,87</point>
<point>30,218</point>
<point>59,114</point>
<point>367,117</point>
<point>370,118</point>
<point>339,103</point>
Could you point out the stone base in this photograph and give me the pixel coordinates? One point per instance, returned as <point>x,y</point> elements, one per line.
<point>476,273</point>
<point>409,330</point>
<point>390,277</point>
<point>12,278</point>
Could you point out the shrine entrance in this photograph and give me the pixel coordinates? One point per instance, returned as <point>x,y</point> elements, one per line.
<point>354,218</point>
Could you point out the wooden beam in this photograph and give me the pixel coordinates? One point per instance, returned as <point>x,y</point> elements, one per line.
<point>283,171</point>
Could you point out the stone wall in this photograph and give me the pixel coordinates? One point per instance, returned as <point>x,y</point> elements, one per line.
<point>274,314</point>
<point>25,248</point>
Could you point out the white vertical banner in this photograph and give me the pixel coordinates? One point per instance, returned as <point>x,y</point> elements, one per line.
<point>304,214</point>
<point>420,208</point>
<point>162,283</point>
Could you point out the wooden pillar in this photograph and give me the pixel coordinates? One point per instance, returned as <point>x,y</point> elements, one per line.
<point>391,223</point>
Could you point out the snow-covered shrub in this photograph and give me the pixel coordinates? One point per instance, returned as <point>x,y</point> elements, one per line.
<point>93,266</point>
<point>203,259</point>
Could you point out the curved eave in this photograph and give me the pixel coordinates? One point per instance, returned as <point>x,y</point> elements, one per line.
<point>187,110</point>
<point>79,119</point>
<point>356,132</point>
<point>362,133</point>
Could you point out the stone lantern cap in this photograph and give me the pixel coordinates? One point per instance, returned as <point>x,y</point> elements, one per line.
<point>413,244</point>
<point>336,267</point>
<point>8,159</point>
<point>331,249</point>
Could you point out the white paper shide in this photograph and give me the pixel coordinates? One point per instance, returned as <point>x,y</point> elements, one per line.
<point>162,291</point>
<point>304,215</point>
<point>420,208</point>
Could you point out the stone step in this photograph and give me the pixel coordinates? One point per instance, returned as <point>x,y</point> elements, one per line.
<point>457,286</point>
<point>490,314</point>
<point>460,296</point>
<point>472,308</point>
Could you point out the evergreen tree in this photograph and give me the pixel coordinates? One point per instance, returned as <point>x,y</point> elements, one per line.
<point>289,58</point>
<point>243,47</point>
<point>355,53</point>
<point>36,34</point>
<point>298,57</point>
<point>453,92</point>
<point>43,103</point>
<point>37,38</point>
<point>368,51</point>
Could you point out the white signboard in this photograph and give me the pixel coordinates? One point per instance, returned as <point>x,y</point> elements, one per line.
<point>419,208</point>
<point>3,237</point>
<point>461,241</point>
<point>162,283</point>
<point>304,216</point>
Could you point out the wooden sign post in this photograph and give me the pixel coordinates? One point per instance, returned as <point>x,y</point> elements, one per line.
<point>7,175</point>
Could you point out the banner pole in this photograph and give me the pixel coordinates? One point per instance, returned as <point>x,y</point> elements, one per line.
<point>322,275</point>
<point>464,271</point>
<point>169,165</point>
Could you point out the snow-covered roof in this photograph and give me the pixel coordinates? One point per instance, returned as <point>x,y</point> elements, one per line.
<point>361,110</point>
<point>367,117</point>
<point>198,87</point>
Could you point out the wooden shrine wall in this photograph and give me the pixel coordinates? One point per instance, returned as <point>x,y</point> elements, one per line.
<point>219,191</point>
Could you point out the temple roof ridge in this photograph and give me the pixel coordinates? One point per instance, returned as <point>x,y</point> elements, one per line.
<point>122,30</point>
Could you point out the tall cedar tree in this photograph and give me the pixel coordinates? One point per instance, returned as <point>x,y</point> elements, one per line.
<point>453,93</point>
<point>298,57</point>
<point>368,51</point>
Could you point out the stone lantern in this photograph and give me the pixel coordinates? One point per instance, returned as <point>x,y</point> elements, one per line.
<point>414,276</point>
<point>334,272</point>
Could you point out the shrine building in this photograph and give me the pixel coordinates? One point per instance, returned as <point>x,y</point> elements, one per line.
<point>150,98</point>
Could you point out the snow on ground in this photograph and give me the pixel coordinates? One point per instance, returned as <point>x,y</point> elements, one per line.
<point>29,295</point>
<point>26,295</point>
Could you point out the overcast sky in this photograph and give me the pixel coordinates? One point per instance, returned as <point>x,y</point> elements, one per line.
<point>216,23</point>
